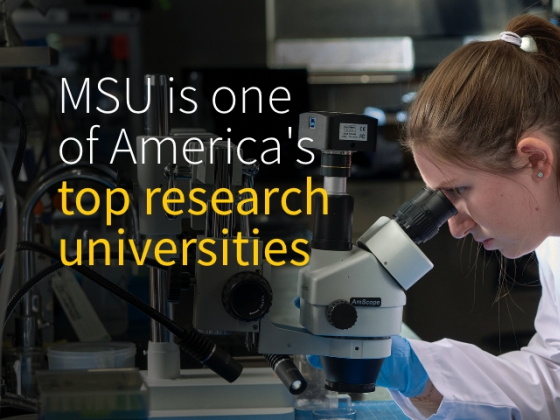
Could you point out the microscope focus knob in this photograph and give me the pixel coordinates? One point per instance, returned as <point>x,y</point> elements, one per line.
<point>247,296</point>
<point>342,314</point>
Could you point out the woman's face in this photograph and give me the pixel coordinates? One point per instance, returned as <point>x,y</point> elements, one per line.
<point>510,213</point>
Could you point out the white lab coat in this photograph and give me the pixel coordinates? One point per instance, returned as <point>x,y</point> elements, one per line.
<point>522,384</point>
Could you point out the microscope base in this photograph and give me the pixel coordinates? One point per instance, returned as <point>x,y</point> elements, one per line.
<point>201,394</point>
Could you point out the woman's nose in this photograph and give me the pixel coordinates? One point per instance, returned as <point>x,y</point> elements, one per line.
<point>460,225</point>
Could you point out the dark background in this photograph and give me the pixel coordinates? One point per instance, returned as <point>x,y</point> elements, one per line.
<point>225,43</point>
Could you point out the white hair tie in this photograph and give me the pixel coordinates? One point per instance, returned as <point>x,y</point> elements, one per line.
<point>511,37</point>
<point>527,43</point>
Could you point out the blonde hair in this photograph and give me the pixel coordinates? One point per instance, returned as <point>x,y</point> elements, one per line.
<point>477,104</point>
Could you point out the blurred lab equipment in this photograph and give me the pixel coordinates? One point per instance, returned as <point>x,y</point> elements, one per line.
<point>351,296</point>
<point>91,355</point>
<point>94,394</point>
<point>335,414</point>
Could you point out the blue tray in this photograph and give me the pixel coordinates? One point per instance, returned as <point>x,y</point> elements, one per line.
<point>378,410</point>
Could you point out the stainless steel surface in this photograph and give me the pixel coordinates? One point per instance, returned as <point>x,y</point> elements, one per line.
<point>172,172</point>
<point>335,185</point>
<point>27,327</point>
<point>366,18</point>
<point>158,300</point>
<point>223,175</point>
<point>351,78</point>
<point>358,54</point>
<point>248,179</point>
<point>156,121</point>
<point>252,341</point>
<point>437,27</point>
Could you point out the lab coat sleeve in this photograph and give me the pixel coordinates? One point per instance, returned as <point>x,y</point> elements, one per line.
<point>522,384</point>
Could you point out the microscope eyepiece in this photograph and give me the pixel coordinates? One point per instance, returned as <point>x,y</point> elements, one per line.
<point>422,216</point>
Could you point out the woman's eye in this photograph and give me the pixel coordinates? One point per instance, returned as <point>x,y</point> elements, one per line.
<point>458,190</point>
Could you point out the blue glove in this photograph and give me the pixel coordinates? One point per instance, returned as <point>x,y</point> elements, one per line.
<point>401,371</point>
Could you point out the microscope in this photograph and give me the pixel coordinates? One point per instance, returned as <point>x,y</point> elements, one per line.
<point>351,296</point>
<point>357,292</point>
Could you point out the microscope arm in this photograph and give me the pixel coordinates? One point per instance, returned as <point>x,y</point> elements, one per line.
<point>374,269</point>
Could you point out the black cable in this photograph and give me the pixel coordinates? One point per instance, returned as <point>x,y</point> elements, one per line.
<point>173,327</point>
<point>28,285</point>
<point>47,140</point>
<point>18,161</point>
<point>188,339</point>
<point>53,268</point>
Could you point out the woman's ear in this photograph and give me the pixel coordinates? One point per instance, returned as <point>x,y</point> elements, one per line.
<point>535,151</point>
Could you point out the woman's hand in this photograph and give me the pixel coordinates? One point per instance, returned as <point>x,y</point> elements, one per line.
<point>402,370</point>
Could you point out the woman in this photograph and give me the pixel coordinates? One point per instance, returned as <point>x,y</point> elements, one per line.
<point>485,129</point>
